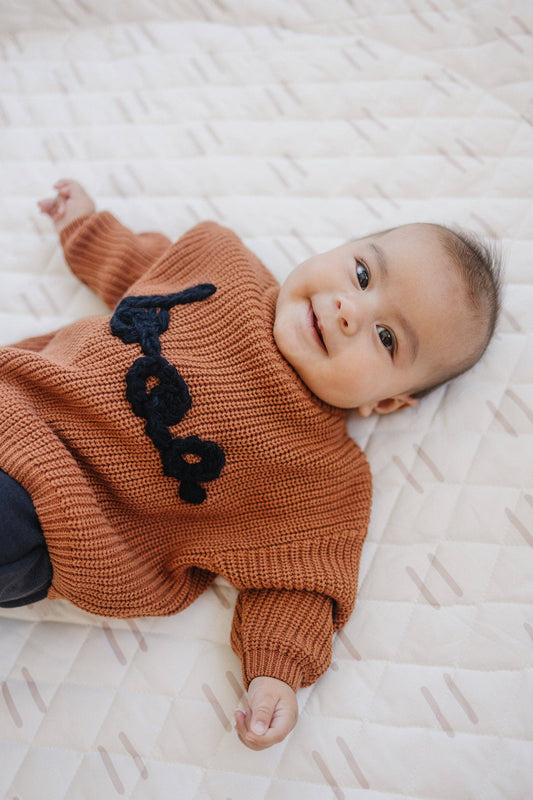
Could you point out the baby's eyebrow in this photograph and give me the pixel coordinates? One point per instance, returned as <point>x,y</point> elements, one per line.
<point>381,258</point>
<point>410,334</point>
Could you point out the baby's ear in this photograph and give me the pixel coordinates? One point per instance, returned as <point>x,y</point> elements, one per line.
<point>388,406</point>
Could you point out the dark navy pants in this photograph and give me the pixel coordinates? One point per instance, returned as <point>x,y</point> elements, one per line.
<point>25,568</point>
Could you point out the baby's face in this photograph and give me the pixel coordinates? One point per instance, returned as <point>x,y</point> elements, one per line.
<point>370,322</point>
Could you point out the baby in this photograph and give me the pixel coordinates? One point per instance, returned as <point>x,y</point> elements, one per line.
<point>200,430</point>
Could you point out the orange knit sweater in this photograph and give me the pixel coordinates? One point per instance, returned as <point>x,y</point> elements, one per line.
<point>282,511</point>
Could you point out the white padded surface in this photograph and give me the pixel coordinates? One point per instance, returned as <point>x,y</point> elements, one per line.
<point>299,125</point>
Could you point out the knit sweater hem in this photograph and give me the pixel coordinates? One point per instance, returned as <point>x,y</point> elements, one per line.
<point>272,664</point>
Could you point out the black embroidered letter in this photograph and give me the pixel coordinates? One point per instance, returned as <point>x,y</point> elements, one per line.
<point>143,320</point>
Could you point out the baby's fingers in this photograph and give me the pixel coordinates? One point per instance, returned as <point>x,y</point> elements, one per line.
<point>248,737</point>
<point>63,184</point>
<point>54,207</point>
<point>47,205</point>
<point>248,731</point>
<point>240,724</point>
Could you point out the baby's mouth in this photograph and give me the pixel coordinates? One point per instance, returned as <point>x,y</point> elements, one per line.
<point>316,326</point>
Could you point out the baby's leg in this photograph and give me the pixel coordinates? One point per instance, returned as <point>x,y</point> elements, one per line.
<point>71,202</point>
<point>25,568</point>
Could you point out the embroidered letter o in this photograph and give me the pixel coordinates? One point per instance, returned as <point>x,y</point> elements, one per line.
<point>168,401</point>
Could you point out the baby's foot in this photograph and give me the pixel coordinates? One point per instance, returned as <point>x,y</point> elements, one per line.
<point>71,202</point>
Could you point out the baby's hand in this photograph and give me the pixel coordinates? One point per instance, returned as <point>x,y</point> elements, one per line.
<point>272,713</point>
<point>71,202</point>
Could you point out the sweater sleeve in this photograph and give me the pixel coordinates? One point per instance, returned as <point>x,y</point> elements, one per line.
<point>283,634</point>
<point>107,256</point>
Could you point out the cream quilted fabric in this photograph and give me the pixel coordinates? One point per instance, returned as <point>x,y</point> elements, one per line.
<point>299,125</point>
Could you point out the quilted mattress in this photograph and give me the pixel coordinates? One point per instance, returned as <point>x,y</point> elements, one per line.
<point>298,124</point>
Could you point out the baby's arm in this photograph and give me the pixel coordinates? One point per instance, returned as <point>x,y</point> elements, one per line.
<point>286,635</point>
<point>100,251</point>
<point>271,715</point>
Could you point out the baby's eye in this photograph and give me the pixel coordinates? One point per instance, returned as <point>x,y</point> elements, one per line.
<point>363,275</point>
<point>387,339</point>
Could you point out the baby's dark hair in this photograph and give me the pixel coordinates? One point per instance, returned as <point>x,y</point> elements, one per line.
<point>480,266</point>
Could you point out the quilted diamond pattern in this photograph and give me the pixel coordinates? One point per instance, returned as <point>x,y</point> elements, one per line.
<point>299,125</point>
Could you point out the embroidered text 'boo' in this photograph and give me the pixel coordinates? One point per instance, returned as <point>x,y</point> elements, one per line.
<point>143,320</point>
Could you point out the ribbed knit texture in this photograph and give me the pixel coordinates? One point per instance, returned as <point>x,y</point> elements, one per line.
<point>284,521</point>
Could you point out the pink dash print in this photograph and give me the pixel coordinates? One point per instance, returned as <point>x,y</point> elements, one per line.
<point>139,763</point>
<point>121,658</point>
<point>34,691</point>
<point>405,472</point>
<point>434,706</point>
<point>352,763</point>
<point>111,771</point>
<point>330,780</point>
<point>217,708</point>
<point>11,707</point>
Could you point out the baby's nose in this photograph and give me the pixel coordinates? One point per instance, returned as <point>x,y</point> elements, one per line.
<point>347,316</point>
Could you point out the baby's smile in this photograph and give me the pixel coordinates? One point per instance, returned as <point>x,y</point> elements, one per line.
<point>317,328</point>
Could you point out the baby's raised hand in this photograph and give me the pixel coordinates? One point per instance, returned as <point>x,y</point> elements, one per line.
<point>71,202</point>
<point>272,713</point>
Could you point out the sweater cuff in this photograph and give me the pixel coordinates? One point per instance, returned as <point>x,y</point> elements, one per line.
<point>72,228</point>
<point>271,664</point>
